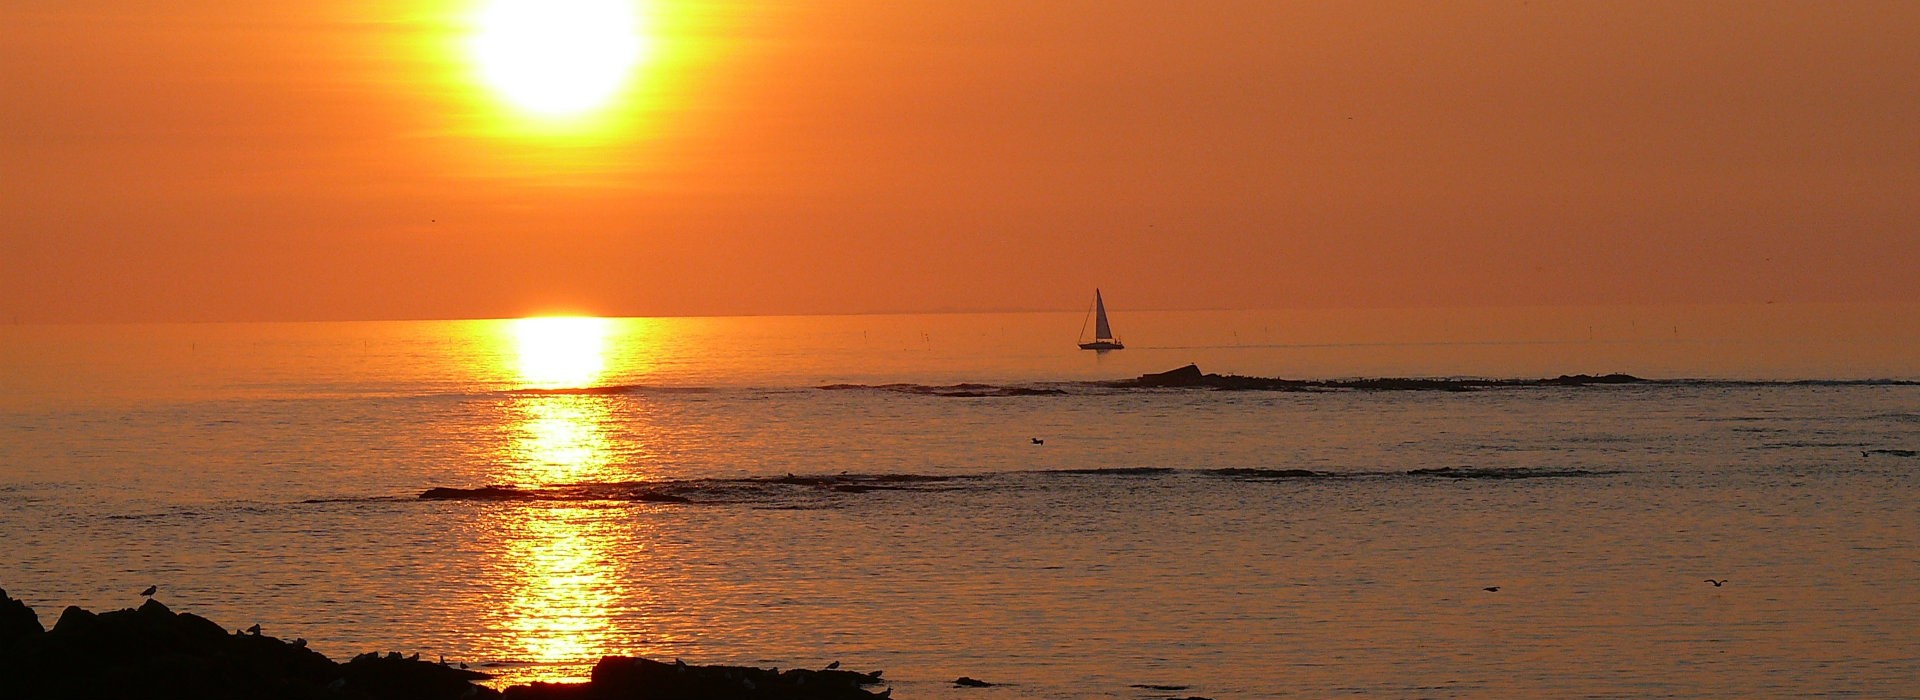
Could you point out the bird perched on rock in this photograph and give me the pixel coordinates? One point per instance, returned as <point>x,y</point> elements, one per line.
<point>1717,584</point>
<point>833,665</point>
<point>254,630</point>
<point>150,591</point>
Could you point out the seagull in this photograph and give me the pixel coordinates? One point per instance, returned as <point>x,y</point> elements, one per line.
<point>150,591</point>
<point>254,630</point>
<point>1038,441</point>
<point>833,665</point>
<point>1717,584</point>
<point>1491,589</point>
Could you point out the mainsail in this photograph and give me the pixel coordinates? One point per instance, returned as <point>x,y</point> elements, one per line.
<point>1101,331</point>
<point>1103,339</point>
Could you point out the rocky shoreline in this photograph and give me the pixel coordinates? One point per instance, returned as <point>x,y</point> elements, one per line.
<point>154,652</point>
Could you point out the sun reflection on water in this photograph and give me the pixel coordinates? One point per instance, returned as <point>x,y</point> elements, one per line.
<point>561,595</point>
<point>563,439</point>
<point>561,609</point>
<point>558,559</point>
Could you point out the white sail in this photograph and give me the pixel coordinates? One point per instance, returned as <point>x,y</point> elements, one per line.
<point>1101,331</point>
<point>1103,339</point>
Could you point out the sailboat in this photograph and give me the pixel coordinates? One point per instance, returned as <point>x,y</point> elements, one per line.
<point>1103,339</point>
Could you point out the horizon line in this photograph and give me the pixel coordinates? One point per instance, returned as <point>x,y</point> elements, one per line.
<point>16,321</point>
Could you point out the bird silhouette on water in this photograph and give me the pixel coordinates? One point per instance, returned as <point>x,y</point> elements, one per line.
<point>150,591</point>
<point>1718,583</point>
<point>1491,589</point>
<point>1038,441</point>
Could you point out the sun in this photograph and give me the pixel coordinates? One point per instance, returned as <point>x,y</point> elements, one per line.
<point>557,58</point>
<point>561,351</point>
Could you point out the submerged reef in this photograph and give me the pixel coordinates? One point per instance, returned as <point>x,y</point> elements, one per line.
<point>154,652</point>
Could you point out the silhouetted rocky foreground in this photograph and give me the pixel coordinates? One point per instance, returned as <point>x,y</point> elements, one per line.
<point>154,652</point>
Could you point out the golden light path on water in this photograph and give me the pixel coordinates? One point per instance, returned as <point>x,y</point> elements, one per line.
<point>562,594</point>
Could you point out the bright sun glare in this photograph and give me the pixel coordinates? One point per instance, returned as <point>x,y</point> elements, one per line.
<point>557,58</point>
<point>561,351</point>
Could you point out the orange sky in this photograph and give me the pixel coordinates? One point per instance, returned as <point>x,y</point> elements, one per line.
<point>269,159</point>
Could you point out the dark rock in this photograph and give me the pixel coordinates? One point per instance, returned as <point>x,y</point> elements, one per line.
<point>1189,375</point>
<point>393,677</point>
<point>1586,379</point>
<point>629,677</point>
<point>1409,384</point>
<point>74,620</point>
<point>17,620</point>
<point>551,691</point>
<point>484,493</point>
<point>154,653</point>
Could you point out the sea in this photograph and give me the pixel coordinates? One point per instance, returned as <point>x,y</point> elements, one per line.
<point>945,495</point>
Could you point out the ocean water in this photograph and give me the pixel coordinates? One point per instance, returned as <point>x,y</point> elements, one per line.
<point>794,491</point>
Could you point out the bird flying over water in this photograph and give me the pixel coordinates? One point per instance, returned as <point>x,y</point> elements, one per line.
<point>1491,589</point>
<point>1716,584</point>
<point>1038,441</point>
<point>150,591</point>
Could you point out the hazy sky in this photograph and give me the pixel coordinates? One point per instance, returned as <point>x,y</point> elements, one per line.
<point>271,159</point>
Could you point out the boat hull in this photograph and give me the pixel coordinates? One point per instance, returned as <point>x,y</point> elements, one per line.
<point>1103,345</point>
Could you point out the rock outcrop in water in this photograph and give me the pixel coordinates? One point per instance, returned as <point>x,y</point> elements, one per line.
<point>155,653</point>
<point>624,677</point>
<point>1190,376</point>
